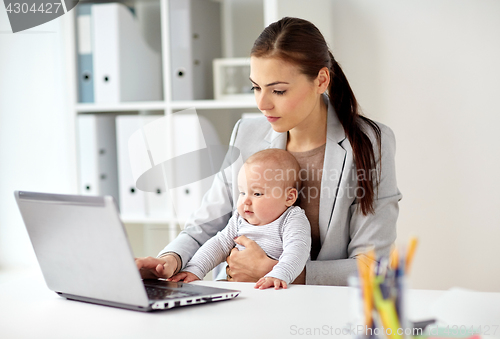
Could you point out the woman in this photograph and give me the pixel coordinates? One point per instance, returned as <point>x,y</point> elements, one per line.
<point>350,193</point>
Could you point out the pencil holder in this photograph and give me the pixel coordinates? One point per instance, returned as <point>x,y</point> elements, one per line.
<point>387,316</point>
<point>379,296</point>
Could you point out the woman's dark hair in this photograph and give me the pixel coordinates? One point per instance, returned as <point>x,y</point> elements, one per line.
<point>299,42</point>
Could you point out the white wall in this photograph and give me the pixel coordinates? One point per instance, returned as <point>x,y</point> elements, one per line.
<point>244,23</point>
<point>316,11</point>
<point>37,149</point>
<point>430,69</point>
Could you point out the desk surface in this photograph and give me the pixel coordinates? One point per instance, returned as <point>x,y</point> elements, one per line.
<point>28,309</point>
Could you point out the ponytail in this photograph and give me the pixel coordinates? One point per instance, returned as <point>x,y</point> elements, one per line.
<point>346,106</point>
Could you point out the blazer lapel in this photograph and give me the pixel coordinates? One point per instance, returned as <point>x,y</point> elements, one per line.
<point>333,168</point>
<point>276,140</point>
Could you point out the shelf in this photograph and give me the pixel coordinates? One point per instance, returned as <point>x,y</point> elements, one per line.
<point>213,104</point>
<point>152,221</point>
<point>121,107</point>
<point>162,105</point>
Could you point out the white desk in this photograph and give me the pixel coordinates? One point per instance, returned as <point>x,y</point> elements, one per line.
<point>28,309</point>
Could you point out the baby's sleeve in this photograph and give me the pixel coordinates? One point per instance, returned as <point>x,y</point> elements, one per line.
<point>296,246</point>
<point>214,251</point>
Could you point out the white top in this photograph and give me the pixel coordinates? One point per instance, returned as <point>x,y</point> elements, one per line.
<point>287,239</point>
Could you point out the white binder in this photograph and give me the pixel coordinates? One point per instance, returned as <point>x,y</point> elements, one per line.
<point>133,203</point>
<point>195,40</point>
<point>125,67</point>
<point>154,159</point>
<point>85,55</point>
<point>187,138</point>
<point>136,204</point>
<point>97,155</point>
<point>192,133</point>
<point>190,137</point>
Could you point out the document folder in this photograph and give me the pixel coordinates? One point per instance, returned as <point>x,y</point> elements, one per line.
<point>97,155</point>
<point>195,40</point>
<point>115,63</point>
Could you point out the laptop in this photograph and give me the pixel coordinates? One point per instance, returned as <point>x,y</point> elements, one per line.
<point>84,254</point>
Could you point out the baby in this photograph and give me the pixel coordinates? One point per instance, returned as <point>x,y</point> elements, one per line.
<point>268,183</point>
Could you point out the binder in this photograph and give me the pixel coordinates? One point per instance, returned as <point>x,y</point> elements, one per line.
<point>153,159</point>
<point>85,57</point>
<point>191,133</point>
<point>126,68</point>
<point>136,203</point>
<point>195,40</point>
<point>133,203</point>
<point>97,155</point>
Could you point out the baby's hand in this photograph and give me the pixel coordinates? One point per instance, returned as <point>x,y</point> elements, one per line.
<point>183,276</point>
<point>267,282</point>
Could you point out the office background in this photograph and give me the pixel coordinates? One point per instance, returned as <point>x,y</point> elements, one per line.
<point>429,69</point>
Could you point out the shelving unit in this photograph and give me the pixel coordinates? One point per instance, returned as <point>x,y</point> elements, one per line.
<point>146,231</point>
<point>241,22</point>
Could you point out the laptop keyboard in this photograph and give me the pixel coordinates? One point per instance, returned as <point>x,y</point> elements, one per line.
<point>155,293</point>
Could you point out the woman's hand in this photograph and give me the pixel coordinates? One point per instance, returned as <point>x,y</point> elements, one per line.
<point>154,268</point>
<point>184,276</point>
<point>250,264</point>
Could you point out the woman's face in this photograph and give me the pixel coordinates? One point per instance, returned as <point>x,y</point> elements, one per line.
<point>284,95</point>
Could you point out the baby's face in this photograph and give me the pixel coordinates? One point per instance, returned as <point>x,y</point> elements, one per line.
<point>262,199</point>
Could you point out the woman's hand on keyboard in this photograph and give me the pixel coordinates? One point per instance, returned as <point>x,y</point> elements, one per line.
<point>153,268</point>
<point>184,276</point>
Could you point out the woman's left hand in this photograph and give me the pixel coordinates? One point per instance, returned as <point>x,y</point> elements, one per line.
<point>250,264</point>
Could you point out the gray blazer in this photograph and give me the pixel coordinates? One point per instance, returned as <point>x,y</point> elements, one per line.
<point>344,232</point>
